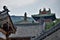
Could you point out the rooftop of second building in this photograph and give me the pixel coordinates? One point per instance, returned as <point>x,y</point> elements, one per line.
<point>44,13</point>
<point>39,15</point>
<point>22,19</point>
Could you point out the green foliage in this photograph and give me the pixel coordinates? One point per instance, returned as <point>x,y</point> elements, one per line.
<point>51,24</point>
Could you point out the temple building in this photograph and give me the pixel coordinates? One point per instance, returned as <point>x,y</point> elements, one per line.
<point>6,25</point>
<point>44,15</point>
<point>26,30</point>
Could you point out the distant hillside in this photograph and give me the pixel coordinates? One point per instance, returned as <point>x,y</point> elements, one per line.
<point>20,18</point>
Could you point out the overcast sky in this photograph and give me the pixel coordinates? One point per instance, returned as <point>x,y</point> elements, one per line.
<point>18,7</point>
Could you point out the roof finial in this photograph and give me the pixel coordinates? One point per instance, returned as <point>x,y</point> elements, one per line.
<point>39,11</point>
<point>25,16</point>
<point>5,8</point>
<point>44,9</point>
<point>49,9</point>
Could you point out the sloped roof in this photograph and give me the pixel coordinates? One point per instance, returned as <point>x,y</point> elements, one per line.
<point>40,15</point>
<point>27,21</point>
<point>4,19</point>
<point>17,19</point>
<point>23,22</point>
<point>49,32</point>
<point>27,31</point>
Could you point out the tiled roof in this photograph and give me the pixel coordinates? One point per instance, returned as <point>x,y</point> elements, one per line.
<point>49,32</point>
<point>16,19</point>
<point>39,15</point>
<point>27,31</point>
